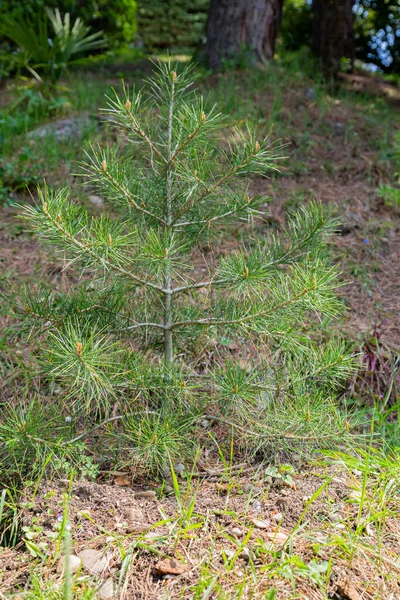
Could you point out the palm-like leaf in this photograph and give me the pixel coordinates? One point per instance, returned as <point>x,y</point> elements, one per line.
<point>46,54</point>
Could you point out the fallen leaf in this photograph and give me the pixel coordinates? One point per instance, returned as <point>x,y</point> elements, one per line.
<point>169,566</point>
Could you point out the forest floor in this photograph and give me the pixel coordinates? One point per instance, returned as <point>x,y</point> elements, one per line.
<point>322,529</point>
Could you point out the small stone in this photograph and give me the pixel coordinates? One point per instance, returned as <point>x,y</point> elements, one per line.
<point>245,554</point>
<point>261,524</point>
<point>205,423</point>
<point>237,532</point>
<point>180,468</point>
<point>306,499</point>
<point>74,564</point>
<point>94,561</point>
<point>277,517</point>
<point>257,506</point>
<point>277,537</point>
<point>146,494</point>
<point>107,589</point>
<point>169,566</point>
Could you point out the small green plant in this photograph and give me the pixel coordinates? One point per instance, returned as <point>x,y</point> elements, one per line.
<point>34,440</point>
<point>47,52</point>
<point>150,443</point>
<point>149,289</point>
<point>390,195</point>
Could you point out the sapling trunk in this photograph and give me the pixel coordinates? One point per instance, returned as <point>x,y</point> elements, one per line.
<point>168,341</point>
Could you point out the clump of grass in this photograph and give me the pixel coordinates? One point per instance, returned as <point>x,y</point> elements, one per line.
<point>150,443</point>
<point>34,441</point>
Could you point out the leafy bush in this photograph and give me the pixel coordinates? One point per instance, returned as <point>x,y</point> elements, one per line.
<point>44,55</point>
<point>155,292</point>
<point>117,19</point>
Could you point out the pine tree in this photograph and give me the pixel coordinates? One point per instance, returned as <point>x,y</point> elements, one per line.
<point>143,296</point>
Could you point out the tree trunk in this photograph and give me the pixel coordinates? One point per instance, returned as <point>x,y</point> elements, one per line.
<point>236,25</point>
<point>333,36</point>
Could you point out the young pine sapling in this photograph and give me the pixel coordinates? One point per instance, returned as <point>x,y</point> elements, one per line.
<point>171,190</point>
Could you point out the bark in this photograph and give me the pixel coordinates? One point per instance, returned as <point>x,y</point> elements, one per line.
<point>234,25</point>
<point>333,36</point>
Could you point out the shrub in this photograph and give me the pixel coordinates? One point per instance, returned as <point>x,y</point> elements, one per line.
<point>152,294</point>
<point>47,55</point>
<point>117,19</point>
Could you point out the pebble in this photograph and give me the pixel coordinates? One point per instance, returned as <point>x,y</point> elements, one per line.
<point>205,423</point>
<point>146,494</point>
<point>74,564</point>
<point>260,524</point>
<point>237,532</point>
<point>94,561</point>
<point>306,499</point>
<point>257,506</point>
<point>180,468</point>
<point>107,589</point>
<point>277,517</point>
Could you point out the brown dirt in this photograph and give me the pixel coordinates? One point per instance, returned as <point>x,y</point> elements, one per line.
<point>108,517</point>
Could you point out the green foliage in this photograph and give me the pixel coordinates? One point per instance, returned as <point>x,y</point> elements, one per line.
<point>175,25</point>
<point>296,26</point>
<point>117,19</point>
<point>32,443</point>
<point>390,195</point>
<point>149,444</point>
<point>377,33</point>
<point>171,191</point>
<point>47,55</point>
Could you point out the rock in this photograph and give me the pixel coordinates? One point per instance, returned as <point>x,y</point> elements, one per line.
<point>237,532</point>
<point>74,564</point>
<point>146,494</point>
<point>133,514</point>
<point>94,561</point>
<point>261,524</point>
<point>310,93</point>
<point>306,499</point>
<point>257,506</point>
<point>169,566</point>
<point>245,554</point>
<point>277,537</point>
<point>277,517</point>
<point>63,130</point>
<point>107,589</point>
<point>96,200</point>
<point>180,468</point>
<point>205,423</point>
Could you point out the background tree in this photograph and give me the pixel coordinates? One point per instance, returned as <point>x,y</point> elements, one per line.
<point>333,35</point>
<point>240,26</point>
